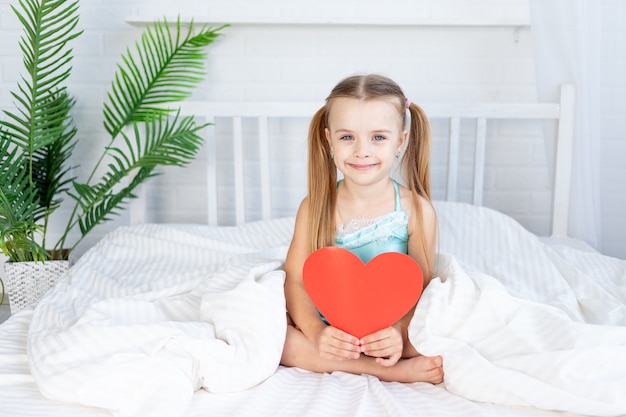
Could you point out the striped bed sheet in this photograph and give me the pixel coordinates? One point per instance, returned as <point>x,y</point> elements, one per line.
<point>188,320</point>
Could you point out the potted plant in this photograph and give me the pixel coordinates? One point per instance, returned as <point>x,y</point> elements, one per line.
<point>37,136</point>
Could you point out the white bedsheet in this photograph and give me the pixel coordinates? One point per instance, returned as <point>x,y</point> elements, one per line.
<point>525,330</point>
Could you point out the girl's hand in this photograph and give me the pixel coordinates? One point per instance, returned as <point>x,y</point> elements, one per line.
<point>385,345</point>
<point>336,344</point>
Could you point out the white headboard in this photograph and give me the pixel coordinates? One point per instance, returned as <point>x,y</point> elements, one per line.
<point>234,113</point>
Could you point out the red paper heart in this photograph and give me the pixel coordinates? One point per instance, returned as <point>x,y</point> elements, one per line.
<point>359,298</point>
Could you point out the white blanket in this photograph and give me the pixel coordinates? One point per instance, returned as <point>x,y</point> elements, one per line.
<point>511,351</point>
<point>153,313</point>
<point>522,323</point>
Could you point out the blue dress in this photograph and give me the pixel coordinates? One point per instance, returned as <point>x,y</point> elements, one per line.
<point>367,238</point>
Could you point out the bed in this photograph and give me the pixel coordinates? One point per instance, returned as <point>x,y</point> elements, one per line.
<point>187,319</point>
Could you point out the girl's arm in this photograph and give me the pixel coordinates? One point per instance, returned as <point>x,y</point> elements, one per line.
<point>422,245</point>
<point>330,341</point>
<point>423,239</point>
<point>299,305</point>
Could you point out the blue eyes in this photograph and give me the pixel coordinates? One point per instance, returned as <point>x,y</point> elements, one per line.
<point>375,138</point>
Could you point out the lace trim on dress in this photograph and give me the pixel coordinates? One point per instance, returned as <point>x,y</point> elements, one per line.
<point>378,228</point>
<point>355,225</point>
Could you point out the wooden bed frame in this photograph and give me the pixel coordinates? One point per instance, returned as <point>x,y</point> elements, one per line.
<point>482,113</point>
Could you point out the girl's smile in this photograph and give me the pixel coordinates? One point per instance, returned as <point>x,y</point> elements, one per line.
<point>362,167</point>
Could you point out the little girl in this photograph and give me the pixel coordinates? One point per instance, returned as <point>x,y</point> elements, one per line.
<point>361,132</point>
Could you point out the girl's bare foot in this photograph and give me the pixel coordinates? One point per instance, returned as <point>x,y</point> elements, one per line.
<point>417,369</point>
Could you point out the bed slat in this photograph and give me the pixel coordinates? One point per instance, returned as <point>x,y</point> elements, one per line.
<point>454,136</point>
<point>479,161</point>
<point>563,161</point>
<point>264,160</point>
<point>238,155</point>
<point>211,173</point>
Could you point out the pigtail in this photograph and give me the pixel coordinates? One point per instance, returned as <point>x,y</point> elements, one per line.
<point>416,163</point>
<point>416,159</point>
<point>322,184</point>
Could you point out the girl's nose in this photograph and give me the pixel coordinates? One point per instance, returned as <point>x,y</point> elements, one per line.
<point>362,148</point>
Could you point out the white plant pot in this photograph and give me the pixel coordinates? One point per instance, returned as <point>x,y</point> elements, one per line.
<point>27,282</point>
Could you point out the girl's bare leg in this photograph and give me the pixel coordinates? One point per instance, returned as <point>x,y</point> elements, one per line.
<point>300,352</point>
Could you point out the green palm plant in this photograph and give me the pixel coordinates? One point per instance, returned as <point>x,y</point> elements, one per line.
<point>140,115</point>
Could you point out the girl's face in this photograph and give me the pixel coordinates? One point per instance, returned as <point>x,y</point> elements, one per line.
<point>365,136</point>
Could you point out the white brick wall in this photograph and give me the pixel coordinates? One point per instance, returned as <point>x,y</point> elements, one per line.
<point>463,58</point>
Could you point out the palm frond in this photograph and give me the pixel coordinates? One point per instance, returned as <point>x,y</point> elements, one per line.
<point>19,207</point>
<point>16,186</point>
<point>164,69</point>
<point>174,142</point>
<point>49,173</point>
<point>48,26</point>
<point>100,208</point>
<point>17,232</point>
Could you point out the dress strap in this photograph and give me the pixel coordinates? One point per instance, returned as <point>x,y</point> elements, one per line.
<point>397,188</point>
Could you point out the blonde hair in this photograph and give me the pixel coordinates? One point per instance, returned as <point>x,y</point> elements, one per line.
<point>322,172</point>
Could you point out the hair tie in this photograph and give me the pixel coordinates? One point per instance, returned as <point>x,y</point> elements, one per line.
<point>408,103</point>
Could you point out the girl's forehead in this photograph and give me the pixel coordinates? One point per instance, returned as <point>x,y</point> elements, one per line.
<point>371,111</point>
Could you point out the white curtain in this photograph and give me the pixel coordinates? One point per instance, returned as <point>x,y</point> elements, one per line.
<point>566,37</point>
